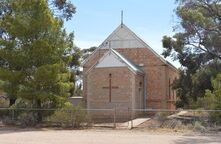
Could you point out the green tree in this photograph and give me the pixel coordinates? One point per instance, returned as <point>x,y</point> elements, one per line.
<point>212,99</point>
<point>199,27</point>
<point>35,54</point>
<point>196,44</point>
<point>76,73</point>
<point>61,9</point>
<point>75,69</point>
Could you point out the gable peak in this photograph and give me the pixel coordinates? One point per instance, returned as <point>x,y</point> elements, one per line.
<point>123,37</point>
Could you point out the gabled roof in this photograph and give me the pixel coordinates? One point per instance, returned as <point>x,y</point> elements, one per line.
<point>123,37</point>
<point>114,59</point>
<point>110,59</point>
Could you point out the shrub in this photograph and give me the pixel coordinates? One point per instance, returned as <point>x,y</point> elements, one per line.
<point>27,119</point>
<point>21,113</point>
<point>199,127</point>
<point>161,116</point>
<point>8,121</point>
<point>70,116</point>
<point>212,100</point>
<point>4,103</point>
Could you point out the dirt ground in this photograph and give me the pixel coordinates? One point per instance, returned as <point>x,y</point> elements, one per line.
<point>101,136</point>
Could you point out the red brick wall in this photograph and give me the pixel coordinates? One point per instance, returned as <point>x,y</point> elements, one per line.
<point>122,98</point>
<point>93,59</point>
<point>157,75</point>
<point>98,97</point>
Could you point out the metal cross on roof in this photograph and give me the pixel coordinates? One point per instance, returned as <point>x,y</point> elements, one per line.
<point>122,18</point>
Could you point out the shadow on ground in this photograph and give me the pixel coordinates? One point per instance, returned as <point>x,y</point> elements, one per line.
<point>198,140</point>
<point>13,129</point>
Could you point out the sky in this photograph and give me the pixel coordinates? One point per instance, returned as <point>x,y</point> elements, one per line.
<point>95,20</point>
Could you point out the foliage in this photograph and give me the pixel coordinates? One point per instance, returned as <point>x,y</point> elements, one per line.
<point>70,115</point>
<point>4,103</point>
<point>212,100</point>
<point>196,44</point>
<point>75,58</point>
<point>64,8</point>
<point>86,52</point>
<point>191,86</point>
<point>27,119</point>
<point>76,74</point>
<point>35,54</point>
<point>61,9</point>
<point>200,30</point>
<point>24,115</point>
<point>183,85</point>
<point>161,116</point>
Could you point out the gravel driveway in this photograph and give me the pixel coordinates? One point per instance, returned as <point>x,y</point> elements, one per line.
<point>94,136</point>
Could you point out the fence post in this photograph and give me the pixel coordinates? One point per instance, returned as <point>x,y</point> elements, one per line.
<point>131,117</point>
<point>72,121</point>
<point>115,116</point>
<point>194,116</point>
<point>128,116</point>
<point>13,114</point>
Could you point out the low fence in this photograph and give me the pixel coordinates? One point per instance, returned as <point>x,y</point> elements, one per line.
<point>114,118</point>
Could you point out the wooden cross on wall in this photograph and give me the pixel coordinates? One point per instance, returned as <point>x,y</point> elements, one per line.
<point>110,87</point>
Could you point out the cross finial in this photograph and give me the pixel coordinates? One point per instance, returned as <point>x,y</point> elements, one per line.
<point>122,18</point>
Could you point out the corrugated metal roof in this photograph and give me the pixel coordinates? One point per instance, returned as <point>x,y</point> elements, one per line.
<point>131,65</point>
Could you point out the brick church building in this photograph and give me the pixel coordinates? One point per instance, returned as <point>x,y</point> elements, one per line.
<point>124,72</point>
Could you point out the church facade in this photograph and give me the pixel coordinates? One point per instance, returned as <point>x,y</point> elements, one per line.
<point>124,72</point>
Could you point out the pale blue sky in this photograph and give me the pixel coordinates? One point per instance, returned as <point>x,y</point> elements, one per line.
<point>96,19</point>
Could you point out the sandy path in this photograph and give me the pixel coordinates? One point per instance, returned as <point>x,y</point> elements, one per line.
<point>99,137</point>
